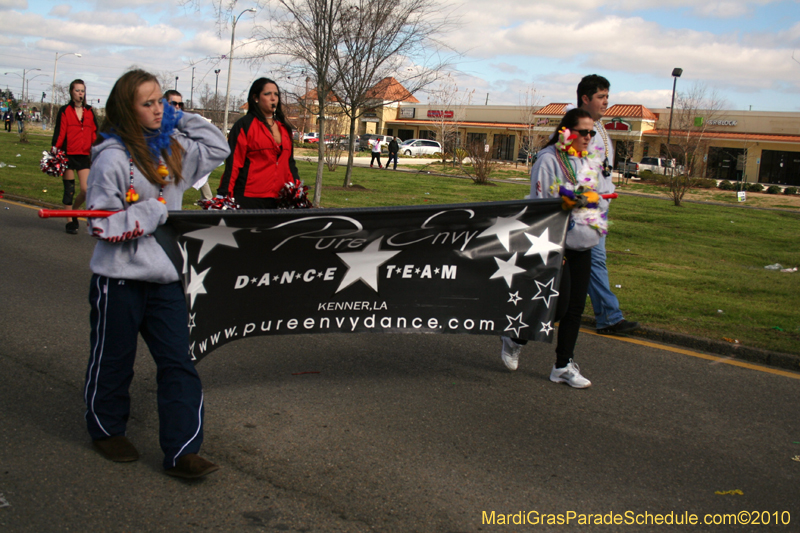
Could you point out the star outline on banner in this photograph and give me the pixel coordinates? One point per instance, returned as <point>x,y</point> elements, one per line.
<point>212,236</point>
<point>195,285</point>
<point>192,323</point>
<point>507,269</point>
<point>502,228</point>
<point>513,320</point>
<point>546,298</point>
<point>514,298</point>
<point>546,328</point>
<point>542,245</point>
<point>364,265</point>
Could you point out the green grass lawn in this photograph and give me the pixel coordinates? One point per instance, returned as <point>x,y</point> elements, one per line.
<point>696,269</point>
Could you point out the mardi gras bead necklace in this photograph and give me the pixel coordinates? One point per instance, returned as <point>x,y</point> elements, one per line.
<point>132,196</point>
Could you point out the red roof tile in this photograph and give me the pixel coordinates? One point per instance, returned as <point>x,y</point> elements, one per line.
<point>630,111</point>
<point>710,134</point>
<point>553,109</point>
<point>389,89</point>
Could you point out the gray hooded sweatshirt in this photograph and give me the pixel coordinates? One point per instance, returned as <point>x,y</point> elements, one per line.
<point>126,248</point>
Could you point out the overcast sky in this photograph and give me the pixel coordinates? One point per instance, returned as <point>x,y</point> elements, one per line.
<point>743,48</point>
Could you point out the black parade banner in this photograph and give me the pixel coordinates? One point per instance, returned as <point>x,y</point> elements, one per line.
<point>486,269</point>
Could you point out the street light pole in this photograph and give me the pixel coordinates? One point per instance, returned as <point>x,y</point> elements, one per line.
<point>230,66</point>
<point>216,90</point>
<point>53,98</point>
<point>176,83</point>
<point>191,92</point>
<point>676,73</point>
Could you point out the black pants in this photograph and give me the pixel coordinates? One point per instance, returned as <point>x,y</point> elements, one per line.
<point>389,161</point>
<point>572,292</point>
<point>8,125</point>
<point>375,155</point>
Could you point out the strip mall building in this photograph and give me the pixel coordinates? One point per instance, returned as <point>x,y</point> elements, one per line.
<point>738,145</point>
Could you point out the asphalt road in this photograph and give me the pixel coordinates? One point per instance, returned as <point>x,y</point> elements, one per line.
<point>396,433</point>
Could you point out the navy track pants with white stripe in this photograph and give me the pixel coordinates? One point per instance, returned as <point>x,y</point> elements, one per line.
<point>120,310</point>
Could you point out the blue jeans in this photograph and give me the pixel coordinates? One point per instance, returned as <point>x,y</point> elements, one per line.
<point>605,304</point>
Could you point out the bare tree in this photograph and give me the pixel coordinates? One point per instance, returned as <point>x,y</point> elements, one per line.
<point>305,32</point>
<point>694,113</point>
<point>447,105</point>
<point>532,141</point>
<point>481,162</point>
<point>335,148</point>
<point>375,41</point>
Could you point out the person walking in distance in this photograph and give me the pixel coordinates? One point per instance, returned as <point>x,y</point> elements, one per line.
<point>393,149</point>
<point>376,152</point>
<point>175,99</point>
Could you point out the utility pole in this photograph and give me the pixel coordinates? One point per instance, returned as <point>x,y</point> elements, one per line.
<point>176,83</point>
<point>191,92</point>
<point>216,91</point>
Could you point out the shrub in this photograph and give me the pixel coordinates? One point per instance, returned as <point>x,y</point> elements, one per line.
<point>739,186</point>
<point>773,189</point>
<point>705,183</point>
<point>790,190</point>
<point>646,175</point>
<point>725,185</point>
<point>755,187</point>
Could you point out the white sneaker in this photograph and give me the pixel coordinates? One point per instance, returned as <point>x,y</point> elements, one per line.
<point>510,353</point>
<point>571,375</point>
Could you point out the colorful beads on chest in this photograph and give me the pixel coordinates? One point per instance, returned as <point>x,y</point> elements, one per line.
<point>132,196</point>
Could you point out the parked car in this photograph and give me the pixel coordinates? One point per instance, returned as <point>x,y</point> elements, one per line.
<point>311,137</point>
<point>420,147</point>
<point>527,156</point>
<point>658,165</point>
<point>365,141</point>
<point>629,169</point>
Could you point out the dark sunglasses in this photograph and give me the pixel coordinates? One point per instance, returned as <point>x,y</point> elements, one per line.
<point>176,104</point>
<point>584,133</point>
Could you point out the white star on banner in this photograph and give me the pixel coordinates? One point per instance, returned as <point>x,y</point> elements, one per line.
<point>196,285</point>
<point>191,351</point>
<point>185,257</point>
<point>541,245</point>
<point>192,323</point>
<point>519,324</point>
<point>514,298</point>
<point>212,236</point>
<point>546,328</point>
<point>507,269</point>
<point>503,226</point>
<point>546,292</point>
<point>364,265</point>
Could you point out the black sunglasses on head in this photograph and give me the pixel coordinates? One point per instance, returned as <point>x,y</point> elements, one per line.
<point>176,104</point>
<point>584,133</point>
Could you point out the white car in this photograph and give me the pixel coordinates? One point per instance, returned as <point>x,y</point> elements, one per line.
<point>311,137</point>
<point>420,147</point>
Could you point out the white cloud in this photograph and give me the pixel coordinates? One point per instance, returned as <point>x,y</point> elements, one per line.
<point>61,10</point>
<point>13,4</point>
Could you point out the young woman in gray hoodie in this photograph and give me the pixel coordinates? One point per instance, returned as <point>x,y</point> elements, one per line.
<point>147,155</point>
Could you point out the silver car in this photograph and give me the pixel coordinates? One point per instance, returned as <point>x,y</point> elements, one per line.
<point>420,147</point>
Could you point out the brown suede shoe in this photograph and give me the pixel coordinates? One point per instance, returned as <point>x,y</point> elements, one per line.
<point>118,449</point>
<point>191,466</point>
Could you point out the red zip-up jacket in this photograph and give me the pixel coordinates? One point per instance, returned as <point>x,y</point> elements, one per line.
<point>258,167</point>
<point>74,136</point>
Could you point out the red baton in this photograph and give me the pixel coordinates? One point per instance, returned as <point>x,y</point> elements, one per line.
<point>609,196</point>
<point>63,213</point>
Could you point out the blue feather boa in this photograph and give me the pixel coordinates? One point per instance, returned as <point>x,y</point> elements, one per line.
<point>159,139</point>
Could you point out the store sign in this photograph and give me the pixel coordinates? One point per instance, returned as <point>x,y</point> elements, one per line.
<point>722,122</point>
<point>435,113</point>
<point>548,122</point>
<point>407,112</point>
<point>617,124</point>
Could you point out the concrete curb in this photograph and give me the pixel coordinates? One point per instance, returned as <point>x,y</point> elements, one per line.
<point>725,349</point>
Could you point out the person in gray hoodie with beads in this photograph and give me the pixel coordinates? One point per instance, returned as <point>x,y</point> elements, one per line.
<point>146,156</point>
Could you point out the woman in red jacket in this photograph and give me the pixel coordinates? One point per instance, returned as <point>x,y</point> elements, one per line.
<point>262,155</point>
<point>75,132</point>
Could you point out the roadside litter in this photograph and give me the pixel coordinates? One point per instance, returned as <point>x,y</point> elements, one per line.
<point>731,492</point>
